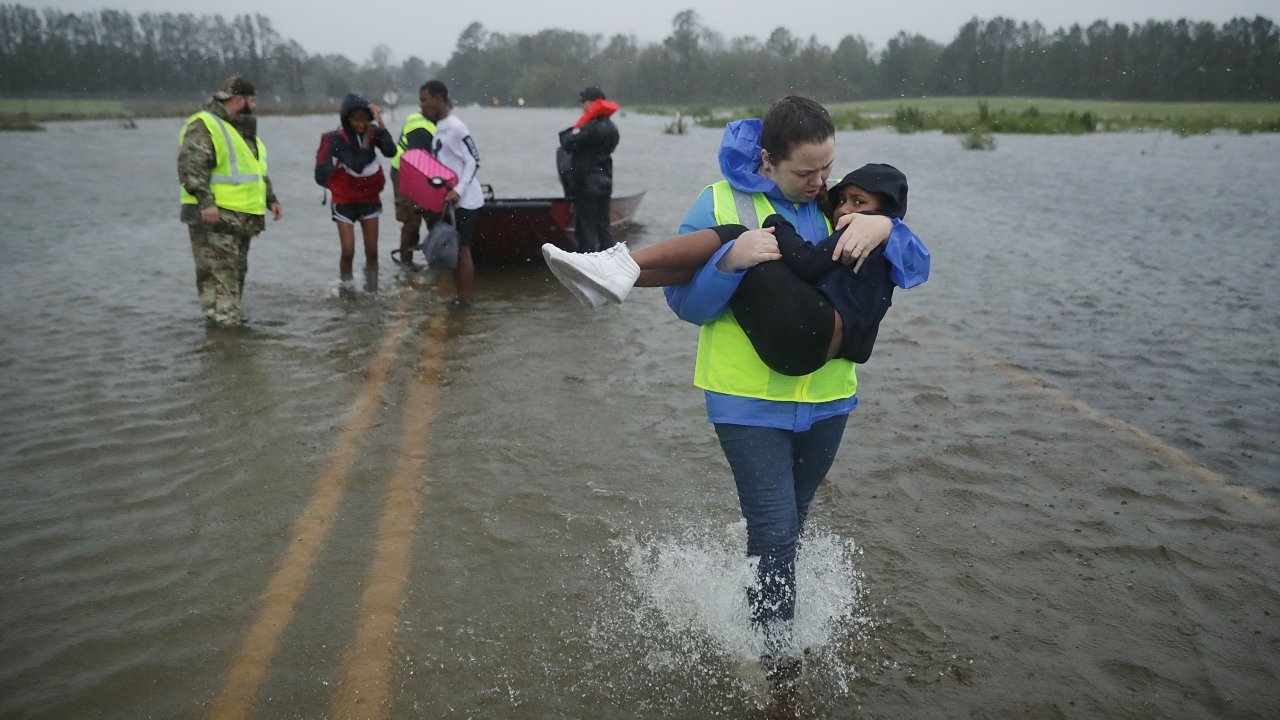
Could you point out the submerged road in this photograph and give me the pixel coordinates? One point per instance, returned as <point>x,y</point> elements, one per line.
<point>362,692</point>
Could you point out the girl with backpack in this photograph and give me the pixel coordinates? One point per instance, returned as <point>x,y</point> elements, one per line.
<point>347,164</point>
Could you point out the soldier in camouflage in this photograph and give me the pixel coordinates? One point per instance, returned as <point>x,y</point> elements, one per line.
<point>223,212</point>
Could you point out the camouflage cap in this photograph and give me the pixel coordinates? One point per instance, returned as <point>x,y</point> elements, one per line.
<point>235,85</point>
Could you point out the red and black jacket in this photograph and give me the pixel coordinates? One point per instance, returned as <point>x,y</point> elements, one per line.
<point>351,171</point>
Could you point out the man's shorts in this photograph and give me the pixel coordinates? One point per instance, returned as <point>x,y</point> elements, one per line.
<point>355,212</point>
<point>466,225</point>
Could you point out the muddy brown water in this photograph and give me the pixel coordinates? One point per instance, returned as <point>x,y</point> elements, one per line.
<point>1057,499</point>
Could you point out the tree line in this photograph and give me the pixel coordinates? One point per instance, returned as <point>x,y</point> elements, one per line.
<point>166,55</point>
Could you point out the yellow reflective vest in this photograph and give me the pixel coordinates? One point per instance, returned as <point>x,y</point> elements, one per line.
<point>414,122</point>
<point>726,362</point>
<point>238,180</point>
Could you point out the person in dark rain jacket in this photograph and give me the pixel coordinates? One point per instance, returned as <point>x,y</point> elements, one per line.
<point>590,144</point>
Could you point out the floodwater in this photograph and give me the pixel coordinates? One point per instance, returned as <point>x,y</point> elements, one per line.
<point>1057,499</point>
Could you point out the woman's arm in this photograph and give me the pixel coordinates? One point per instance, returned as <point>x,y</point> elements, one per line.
<point>907,254</point>
<point>861,234</point>
<point>706,296</point>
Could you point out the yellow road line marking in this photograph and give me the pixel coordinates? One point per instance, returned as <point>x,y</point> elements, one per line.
<point>1167,453</point>
<point>362,694</point>
<point>250,666</point>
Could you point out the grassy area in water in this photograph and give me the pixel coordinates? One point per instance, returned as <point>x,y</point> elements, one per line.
<point>58,108</point>
<point>1048,116</point>
<point>24,114</point>
<point>28,113</point>
<point>1100,108</point>
<point>955,115</point>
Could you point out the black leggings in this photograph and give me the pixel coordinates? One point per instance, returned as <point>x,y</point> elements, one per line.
<point>789,322</point>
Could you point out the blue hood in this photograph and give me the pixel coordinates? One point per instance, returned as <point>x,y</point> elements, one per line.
<point>740,158</point>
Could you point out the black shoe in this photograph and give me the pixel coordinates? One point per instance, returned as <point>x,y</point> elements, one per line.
<point>783,674</point>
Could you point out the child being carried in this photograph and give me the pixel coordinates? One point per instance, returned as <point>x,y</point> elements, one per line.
<point>798,313</point>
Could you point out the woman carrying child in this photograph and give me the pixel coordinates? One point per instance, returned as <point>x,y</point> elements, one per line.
<point>798,312</point>
<point>779,432</point>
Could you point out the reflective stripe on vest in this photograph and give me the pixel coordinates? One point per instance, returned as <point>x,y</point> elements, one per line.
<point>238,180</point>
<point>726,362</point>
<point>414,122</point>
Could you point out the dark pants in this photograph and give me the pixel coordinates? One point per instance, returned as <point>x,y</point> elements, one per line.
<point>777,473</point>
<point>591,222</point>
<point>788,321</point>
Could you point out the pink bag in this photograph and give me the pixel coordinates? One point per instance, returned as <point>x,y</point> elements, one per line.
<point>425,180</point>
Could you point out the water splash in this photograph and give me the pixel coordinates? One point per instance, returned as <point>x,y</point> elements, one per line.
<point>677,609</point>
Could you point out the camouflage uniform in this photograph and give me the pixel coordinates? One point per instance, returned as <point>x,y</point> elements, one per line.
<point>221,251</point>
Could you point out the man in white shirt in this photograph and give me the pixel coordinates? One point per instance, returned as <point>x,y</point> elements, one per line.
<point>455,148</point>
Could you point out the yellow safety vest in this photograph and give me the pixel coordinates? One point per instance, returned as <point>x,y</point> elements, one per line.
<point>414,122</point>
<point>239,180</point>
<point>726,362</point>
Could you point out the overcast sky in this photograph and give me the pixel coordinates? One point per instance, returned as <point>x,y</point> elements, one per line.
<point>430,29</point>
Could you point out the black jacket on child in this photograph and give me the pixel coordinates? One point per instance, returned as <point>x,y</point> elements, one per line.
<point>798,344</point>
<point>861,298</point>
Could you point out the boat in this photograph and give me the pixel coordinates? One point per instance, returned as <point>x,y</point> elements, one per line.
<point>513,230</point>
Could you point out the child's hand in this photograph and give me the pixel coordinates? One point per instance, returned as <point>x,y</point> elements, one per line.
<point>862,234</point>
<point>750,249</point>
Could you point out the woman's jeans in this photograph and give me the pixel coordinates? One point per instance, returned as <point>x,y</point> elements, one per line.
<point>777,473</point>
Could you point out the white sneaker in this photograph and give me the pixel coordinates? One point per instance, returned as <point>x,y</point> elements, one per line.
<point>596,277</point>
<point>587,295</point>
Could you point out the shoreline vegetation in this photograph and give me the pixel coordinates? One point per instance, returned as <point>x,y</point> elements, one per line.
<point>165,59</point>
<point>28,114</point>
<point>1033,116</point>
<point>974,117</point>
